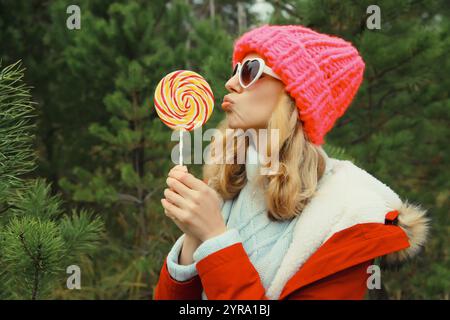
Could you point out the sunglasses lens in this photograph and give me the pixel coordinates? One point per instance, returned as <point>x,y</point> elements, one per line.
<point>235,70</point>
<point>249,71</point>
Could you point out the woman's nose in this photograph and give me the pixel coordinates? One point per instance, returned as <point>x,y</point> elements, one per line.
<point>232,85</point>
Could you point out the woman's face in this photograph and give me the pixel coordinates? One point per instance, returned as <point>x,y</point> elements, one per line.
<point>252,107</point>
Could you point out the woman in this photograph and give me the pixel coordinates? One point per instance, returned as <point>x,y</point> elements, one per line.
<point>312,229</point>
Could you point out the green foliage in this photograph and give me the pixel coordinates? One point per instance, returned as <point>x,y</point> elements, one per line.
<point>36,243</point>
<point>80,232</point>
<point>32,257</point>
<point>16,156</point>
<point>34,200</point>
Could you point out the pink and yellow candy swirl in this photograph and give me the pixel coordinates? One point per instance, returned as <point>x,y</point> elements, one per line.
<point>184,100</point>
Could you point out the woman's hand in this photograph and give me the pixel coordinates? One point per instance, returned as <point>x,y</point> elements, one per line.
<point>193,205</point>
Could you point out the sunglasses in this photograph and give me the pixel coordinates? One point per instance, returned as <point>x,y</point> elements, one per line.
<point>251,70</point>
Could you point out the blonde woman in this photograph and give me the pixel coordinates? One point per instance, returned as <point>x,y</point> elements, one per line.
<point>313,228</point>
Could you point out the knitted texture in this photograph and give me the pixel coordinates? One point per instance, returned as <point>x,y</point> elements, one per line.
<point>321,72</point>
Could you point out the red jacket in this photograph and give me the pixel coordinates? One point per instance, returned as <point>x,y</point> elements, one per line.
<point>336,270</point>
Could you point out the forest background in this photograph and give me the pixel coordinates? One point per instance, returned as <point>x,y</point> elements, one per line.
<point>85,182</point>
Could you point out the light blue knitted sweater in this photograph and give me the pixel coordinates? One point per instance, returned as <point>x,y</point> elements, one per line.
<point>265,241</point>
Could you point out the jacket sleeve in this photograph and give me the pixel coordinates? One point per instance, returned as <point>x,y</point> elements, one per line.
<point>168,288</point>
<point>177,280</point>
<point>228,274</point>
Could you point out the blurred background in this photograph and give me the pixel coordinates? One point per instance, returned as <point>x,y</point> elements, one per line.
<point>84,157</point>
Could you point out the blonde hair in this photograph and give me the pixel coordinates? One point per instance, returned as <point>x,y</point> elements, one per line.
<point>300,168</point>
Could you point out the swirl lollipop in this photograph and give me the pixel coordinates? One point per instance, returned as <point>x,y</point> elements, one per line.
<point>183,101</point>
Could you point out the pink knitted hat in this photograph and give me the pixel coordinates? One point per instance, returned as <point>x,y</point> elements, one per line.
<point>320,71</point>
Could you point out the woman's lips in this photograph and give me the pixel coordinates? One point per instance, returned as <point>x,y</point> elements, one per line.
<point>227,103</point>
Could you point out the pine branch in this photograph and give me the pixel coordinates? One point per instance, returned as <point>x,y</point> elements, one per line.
<point>16,156</point>
<point>36,261</point>
<point>394,67</point>
<point>3,210</point>
<point>128,198</point>
<point>148,196</point>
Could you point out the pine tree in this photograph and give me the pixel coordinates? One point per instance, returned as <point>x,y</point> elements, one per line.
<point>395,128</point>
<point>38,241</point>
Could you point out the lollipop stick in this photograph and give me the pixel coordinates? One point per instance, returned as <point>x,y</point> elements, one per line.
<point>181,148</point>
